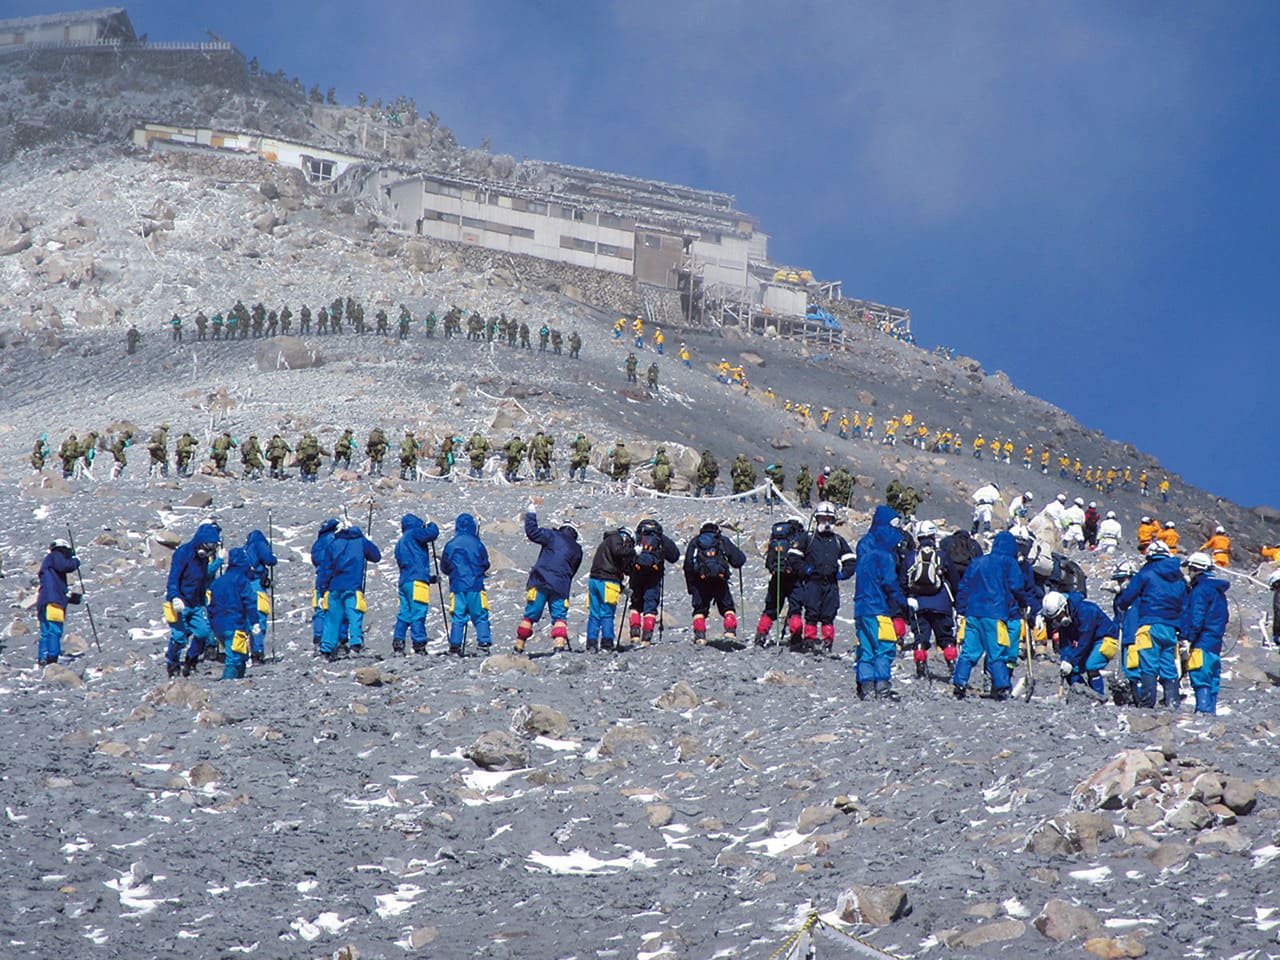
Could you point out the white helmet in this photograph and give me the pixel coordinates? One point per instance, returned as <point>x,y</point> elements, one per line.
<point>1274,578</point>
<point>1158,548</point>
<point>927,528</point>
<point>1111,514</point>
<point>1169,525</point>
<point>1027,495</point>
<point>1078,501</point>
<point>1123,569</point>
<point>1054,605</point>
<point>60,544</point>
<point>1093,503</point>
<point>825,509</point>
<point>1219,529</point>
<point>1061,498</point>
<point>1199,561</point>
<point>1146,519</point>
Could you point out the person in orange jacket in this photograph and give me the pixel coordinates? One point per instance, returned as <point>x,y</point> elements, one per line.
<point>1169,535</point>
<point>1219,547</point>
<point>1271,554</point>
<point>1147,531</point>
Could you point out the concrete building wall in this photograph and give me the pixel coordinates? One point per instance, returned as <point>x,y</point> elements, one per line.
<point>317,164</point>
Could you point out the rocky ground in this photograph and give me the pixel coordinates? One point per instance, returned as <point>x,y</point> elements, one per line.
<point>673,802</point>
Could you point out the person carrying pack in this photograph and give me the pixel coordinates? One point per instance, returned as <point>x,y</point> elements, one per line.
<point>783,535</point>
<point>957,550</point>
<point>930,599</point>
<point>609,568</point>
<point>708,561</point>
<point>653,550</point>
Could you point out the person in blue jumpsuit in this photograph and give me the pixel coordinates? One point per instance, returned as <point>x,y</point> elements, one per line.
<point>233,613</point>
<point>609,567</point>
<point>319,603</point>
<point>262,562</point>
<point>654,550</point>
<point>465,561</point>
<point>992,585</point>
<point>879,605</point>
<point>413,557</point>
<point>1203,625</point>
<point>341,576</point>
<point>932,610</point>
<point>189,578</point>
<point>1160,594</point>
<point>53,598</point>
<point>1087,637</point>
<point>550,580</point>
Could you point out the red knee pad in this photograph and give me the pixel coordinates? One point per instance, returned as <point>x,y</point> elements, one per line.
<point>899,627</point>
<point>766,622</point>
<point>828,632</point>
<point>700,623</point>
<point>559,630</point>
<point>650,620</point>
<point>731,621</point>
<point>950,654</point>
<point>795,624</point>
<point>920,656</point>
<point>525,630</point>
<point>811,631</point>
<point>635,618</point>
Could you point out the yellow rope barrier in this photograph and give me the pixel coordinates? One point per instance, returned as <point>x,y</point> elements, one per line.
<point>789,944</point>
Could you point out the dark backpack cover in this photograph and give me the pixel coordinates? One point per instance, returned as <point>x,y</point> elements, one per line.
<point>924,577</point>
<point>708,557</point>
<point>649,542</point>
<point>1068,576</point>
<point>962,550</point>
<point>782,537</point>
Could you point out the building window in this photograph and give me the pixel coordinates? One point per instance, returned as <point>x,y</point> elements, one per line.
<point>522,232</point>
<point>607,250</point>
<point>473,222</point>
<point>449,218</point>
<point>577,243</point>
<point>652,241</point>
<point>318,170</point>
<point>537,206</point>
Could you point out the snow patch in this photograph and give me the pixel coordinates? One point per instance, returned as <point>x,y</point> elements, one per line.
<point>581,863</point>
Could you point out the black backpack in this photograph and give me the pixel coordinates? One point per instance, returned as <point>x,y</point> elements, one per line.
<point>962,550</point>
<point>649,556</point>
<point>924,576</point>
<point>782,537</point>
<point>1068,576</point>
<point>708,557</point>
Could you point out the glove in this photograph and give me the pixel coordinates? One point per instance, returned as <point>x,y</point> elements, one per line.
<point>74,597</point>
<point>1066,668</point>
<point>177,604</point>
<point>434,578</point>
<point>899,627</point>
<point>266,580</point>
<point>531,508</point>
<point>913,603</point>
<point>639,549</point>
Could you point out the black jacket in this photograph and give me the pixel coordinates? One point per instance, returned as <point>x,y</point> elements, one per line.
<point>614,558</point>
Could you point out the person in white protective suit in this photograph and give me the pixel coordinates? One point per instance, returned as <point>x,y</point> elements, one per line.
<point>984,500</point>
<point>1073,525</point>
<point>1109,532</point>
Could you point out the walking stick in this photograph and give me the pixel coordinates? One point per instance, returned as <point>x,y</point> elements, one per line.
<point>435,564</point>
<point>271,545</point>
<point>742,596</point>
<point>87,609</point>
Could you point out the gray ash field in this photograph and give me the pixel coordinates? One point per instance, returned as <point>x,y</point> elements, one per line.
<point>674,802</point>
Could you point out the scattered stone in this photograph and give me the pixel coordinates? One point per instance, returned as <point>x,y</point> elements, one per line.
<point>1228,837</point>
<point>502,662</point>
<point>141,713</point>
<point>1110,786</point>
<point>422,937</point>
<point>811,818</point>
<point>877,905</point>
<point>1189,815</point>
<point>286,353</point>
<point>687,748</point>
<point>1062,921</point>
<point>537,719</point>
<point>659,814</point>
<point>180,693</point>
<point>1169,854</point>
<point>368,676</point>
<point>211,718</point>
<point>1090,830</point>
<point>58,783</point>
<point>1240,795</point>
<point>498,750</point>
<point>1115,948</point>
<point>203,773</point>
<point>199,499</point>
<point>113,748</point>
<point>995,932</point>
<point>783,679</point>
<point>680,697</point>
<point>1144,813</point>
<point>621,739</point>
<point>58,675</point>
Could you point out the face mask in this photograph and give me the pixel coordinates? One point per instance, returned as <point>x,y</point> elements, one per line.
<point>824,526</point>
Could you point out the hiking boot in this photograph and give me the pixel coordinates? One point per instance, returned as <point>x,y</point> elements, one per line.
<point>700,636</point>
<point>635,633</point>
<point>730,637</point>
<point>606,645</point>
<point>355,650</point>
<point>332,656</point>
<point>210,652</point>
<point>1001,694</point>
<point>420,649</point>
<point>593,647</point>
<point>958,692</point>
<point>922,669</point>
<point>519,647</point>
<point>188,667</point>
<point>646,638</point>
<point>258,657</point>
<point>220,655</point>
<point>484,648</point>
<point>397,646</point>
<point>173,669</point>
<point>762,639</point>
<point>455,649</point>
<point>862,691</point>
<point>559,645</point>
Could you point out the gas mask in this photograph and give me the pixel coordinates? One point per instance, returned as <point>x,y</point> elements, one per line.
<point>825,526</point>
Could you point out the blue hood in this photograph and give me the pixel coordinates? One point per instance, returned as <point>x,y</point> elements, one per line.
<point>465,524</point>
<point>1005,544</point>
<point>237,559</point>
<point>328,526</point>
<point>410,521</point>
<point>207,533</point>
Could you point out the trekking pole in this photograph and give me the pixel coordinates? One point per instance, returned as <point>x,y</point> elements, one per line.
<point>435,565</point>
<point>662,593</point>
<point>80,578</point>
<point>271,546</point>
<point>742,596</point>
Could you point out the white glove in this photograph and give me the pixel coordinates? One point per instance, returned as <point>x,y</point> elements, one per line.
<point>913,603</point>
<point>531,508</point>
<point>177,604</point>
<point>1066,668</point>
<point>639,549</point>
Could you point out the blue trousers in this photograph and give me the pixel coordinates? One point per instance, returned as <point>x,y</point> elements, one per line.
<point>469,607</point>
<point>342,606</point>
<point>259,640</point>
<point>317,624</point>
<point>50,638</point>
<point>1157,648</point>
<point>875,652</point>
<point>1205,672</point>
<point>233,667</point>
<point>411,618</point>
<point>601,613</point>
<point>190,631</point>
<point>541,600</point>
<point>983,637</point>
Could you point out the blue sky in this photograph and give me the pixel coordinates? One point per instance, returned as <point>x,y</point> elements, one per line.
<point>1083,195</point>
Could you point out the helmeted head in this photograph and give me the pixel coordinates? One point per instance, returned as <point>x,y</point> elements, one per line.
<point>1158,548</point>
<point>824,518</point>
<point>61,545</point>
<point>926,528</point>
<point>1219,529</point>
<point>1273,581</point>
<point>1061,498</point>
<point>709,526</point>
<point>1169,525</point>
<point>569,529</point>
<point>1124,570</point>
<point>1078,501</point>
<point>1146,519</point>
<point>1027,496</point>
<point>1054,606</point>
<point>1093,504</point>
<point>1199,562</point>
<point>1111,514</point>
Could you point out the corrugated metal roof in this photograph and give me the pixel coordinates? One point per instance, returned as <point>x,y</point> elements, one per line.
<point>73,16</point>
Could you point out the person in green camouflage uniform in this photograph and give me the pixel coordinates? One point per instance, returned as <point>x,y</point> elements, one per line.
<point>376,448</point>
<point>778,476</point>
<point>839,487</point>
<point>660,472</point>
<point>580,456</point>
<point>88,451</point>
<point>743,475</point>
<point>707,473</point>
<point>69,453</point>
<point>251,458</point>
<point>408,456</point>
<point>40,452</point>
<point>477,451</point>
<point>540,451</point>
<point>220,450</point>
<point>343,450</point>
<point>278,451</point>
<point>308,457</point>
<point>575,345</point>
<point>619,461</point>
<point>631,364</point>
<point>158,448</point>
<point>185,454</point>
<point>514,449</point>
<point>444,457</point>
<point>804,486</point>
<point>122,443</point>
<point>651,376</point>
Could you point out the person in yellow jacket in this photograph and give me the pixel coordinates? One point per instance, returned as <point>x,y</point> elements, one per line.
<point>658,340</point>
<point>619,327</point>
<point>908,418</point>
<point>1271,554</point>
<point>871,427</point>
<point>1079,468</point>
<point>722,370</point>
<point>1142,483</point>
<point>1088,475</point>
<point>1007,451</point>
<point>684,356</point>
<point>994,446</point>
<point>1219,547</point>
<point>1044,462</point>
<point>857,424</point>
<point>1164,489</point>
<point>922,436</point>
<point>1169,536</point>
<point>1147,531</point>
<point>890,433</point>
<point>978,444</point>
<point>843,428</point>
<point>826,419</point>
<point>1028,456</point>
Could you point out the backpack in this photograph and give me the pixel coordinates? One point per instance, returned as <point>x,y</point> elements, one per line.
<point>962,549</point>
<point>924,576</point>
<point>708,558</point>
<point>782,537</point>
<point>649,553</point>
<point>1068,576</point>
